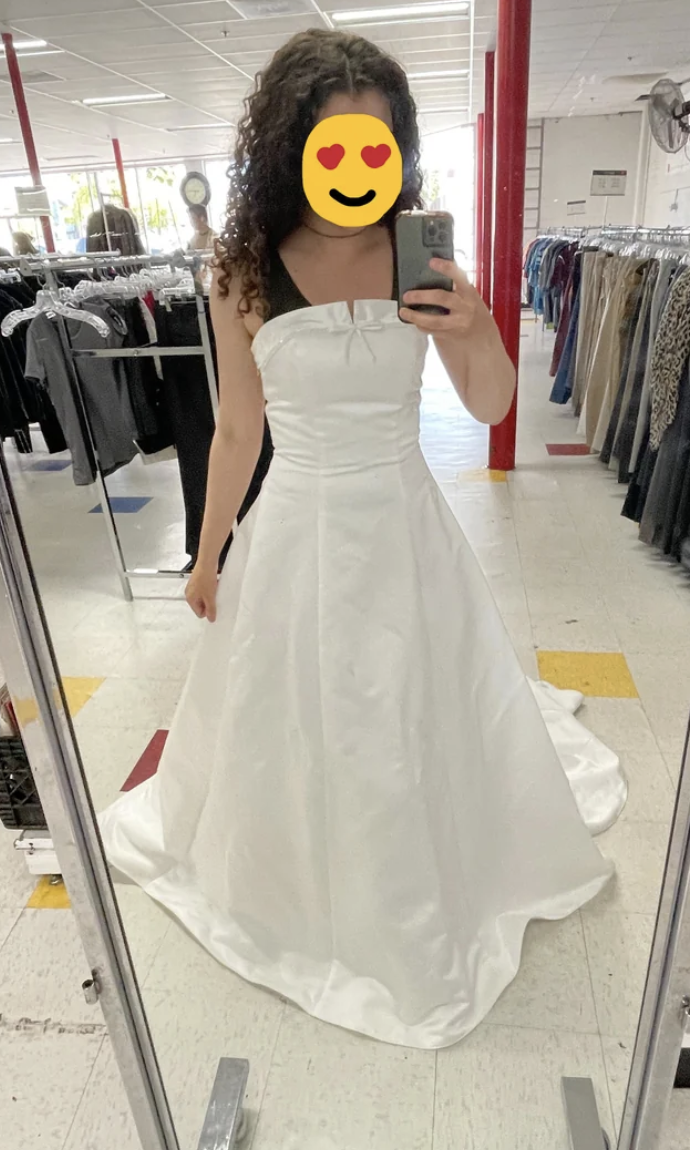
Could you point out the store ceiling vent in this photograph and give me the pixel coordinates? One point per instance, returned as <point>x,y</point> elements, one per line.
<point>256,9</point>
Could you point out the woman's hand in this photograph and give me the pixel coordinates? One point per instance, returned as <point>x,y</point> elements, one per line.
<point>462,303</point>
<point>201,592</point>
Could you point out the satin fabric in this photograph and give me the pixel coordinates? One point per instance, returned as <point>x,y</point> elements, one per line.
<point>360,804</point>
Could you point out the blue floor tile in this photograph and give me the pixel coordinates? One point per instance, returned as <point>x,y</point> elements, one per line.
<point>50,465</point>
<point>124,504</point>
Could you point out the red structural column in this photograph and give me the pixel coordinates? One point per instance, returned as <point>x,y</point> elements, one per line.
<point>512,83</point>
<point>479,269</point>
<point>26,130</point>
<point>488,212</point>
<point>120,171</point>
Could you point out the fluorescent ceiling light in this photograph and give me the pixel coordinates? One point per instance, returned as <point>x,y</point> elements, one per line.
<point>41,52</point>
<point>28,45</point>
<point>6,140</point>
<point>423,11</point>
<point>138,98</point>
<point>32,48</point>
<point>440,75</point>
<point>198,127</point>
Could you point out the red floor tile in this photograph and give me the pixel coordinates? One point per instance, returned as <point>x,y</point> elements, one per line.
<point>568,449</point>
<point>148,763</point>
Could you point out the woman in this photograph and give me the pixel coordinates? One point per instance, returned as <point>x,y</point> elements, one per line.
<point>359,805</point>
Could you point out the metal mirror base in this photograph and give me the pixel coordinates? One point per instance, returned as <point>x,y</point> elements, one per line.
<point>582,1115</point>
<point>225,1124</point>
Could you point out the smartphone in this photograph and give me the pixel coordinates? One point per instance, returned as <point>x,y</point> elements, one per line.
<point>418,237</point>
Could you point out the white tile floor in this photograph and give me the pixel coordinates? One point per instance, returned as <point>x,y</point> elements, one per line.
<point>568,574</point>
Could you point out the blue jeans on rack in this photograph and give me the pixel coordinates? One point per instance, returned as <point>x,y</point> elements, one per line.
<point>563,383</point>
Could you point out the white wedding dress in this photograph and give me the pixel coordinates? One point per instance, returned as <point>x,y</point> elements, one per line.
<point>360,805</point>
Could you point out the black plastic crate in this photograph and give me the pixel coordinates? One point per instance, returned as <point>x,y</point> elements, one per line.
<point>20,806</point>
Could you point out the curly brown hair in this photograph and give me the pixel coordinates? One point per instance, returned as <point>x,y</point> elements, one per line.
<point>266,201</point>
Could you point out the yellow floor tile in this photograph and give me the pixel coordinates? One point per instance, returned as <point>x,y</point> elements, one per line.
<point>78,691</point>
<point>47,896</point>
<point>482,475</point>
<point>604,676</point>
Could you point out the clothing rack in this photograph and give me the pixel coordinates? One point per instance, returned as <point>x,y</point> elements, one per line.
<point>48,269</point>
<point>620,359</point>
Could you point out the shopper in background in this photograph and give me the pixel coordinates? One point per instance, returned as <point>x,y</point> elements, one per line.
<point>204,237</point>
<point>23,244</point>
<point>117,231</point>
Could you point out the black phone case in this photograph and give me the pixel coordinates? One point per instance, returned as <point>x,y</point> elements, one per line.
<point>412,256</point>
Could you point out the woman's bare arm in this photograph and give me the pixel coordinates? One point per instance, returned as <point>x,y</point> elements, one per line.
<point>469,344</point>
<point>239,431</point>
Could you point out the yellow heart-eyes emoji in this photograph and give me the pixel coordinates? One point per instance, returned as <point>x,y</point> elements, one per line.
<point>351,170</point>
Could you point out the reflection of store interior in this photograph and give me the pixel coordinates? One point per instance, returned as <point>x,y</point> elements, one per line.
<point>153,192</point>
<point>586,604</point>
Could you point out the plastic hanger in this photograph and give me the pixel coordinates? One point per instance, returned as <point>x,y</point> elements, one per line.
<point>48,304</point>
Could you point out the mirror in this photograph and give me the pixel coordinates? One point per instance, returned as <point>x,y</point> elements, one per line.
<point>392,826</point>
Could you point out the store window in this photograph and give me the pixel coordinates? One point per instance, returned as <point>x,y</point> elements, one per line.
<point>153,193</point>
<point>159,207</point>
<point>10,222</point>
<point>448,164</point>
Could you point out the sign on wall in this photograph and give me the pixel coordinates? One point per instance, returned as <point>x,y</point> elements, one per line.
<point>577,207</point>
<point>608,183</point>
<point>32,201</point>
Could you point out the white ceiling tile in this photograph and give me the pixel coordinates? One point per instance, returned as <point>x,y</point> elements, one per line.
<point>539,6</point>
<point>156,40</point>
<point>168,6</point>
<point>565,17</point>
<point>57,29</point>
<point>203,12</point>
<point>641,11</point>
<point>15,10</point>
<point>277,28</point>
<point>217,32</point>
<point>586,33</point>
<point>139,59</point>
<point>627,35</point>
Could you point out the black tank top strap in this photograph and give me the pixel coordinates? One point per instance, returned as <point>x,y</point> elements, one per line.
<point>283,293</point>
<point>285,296</point>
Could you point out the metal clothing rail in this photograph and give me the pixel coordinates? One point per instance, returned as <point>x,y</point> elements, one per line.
<point>104,262</point>
<point>629,232</point>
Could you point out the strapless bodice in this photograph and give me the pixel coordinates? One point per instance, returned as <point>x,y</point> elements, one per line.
<point>342,390</point>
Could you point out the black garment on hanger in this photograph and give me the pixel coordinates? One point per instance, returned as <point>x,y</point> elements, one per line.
<point>633,507</point>
<point>665,521</point>
<point>153,429</point>
<point>23,401</point>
